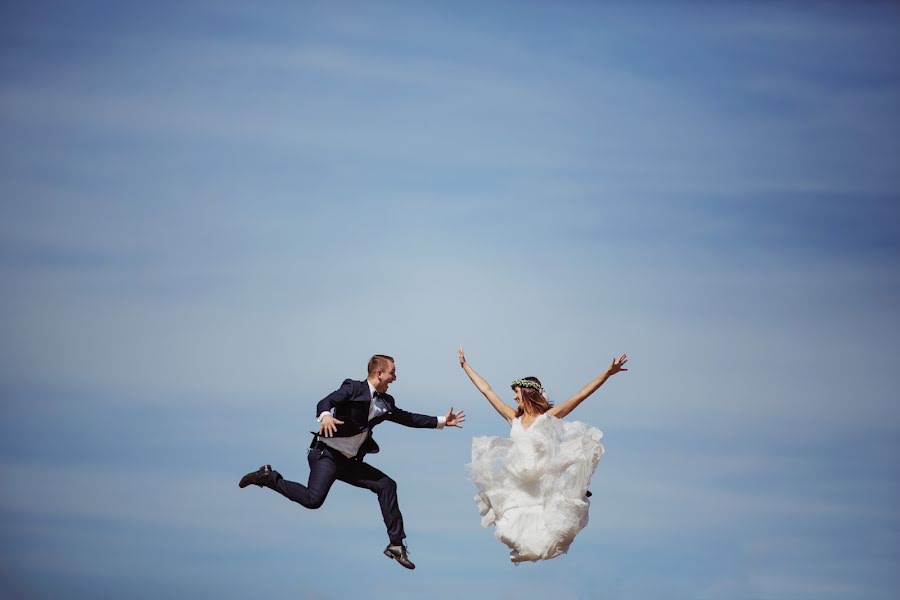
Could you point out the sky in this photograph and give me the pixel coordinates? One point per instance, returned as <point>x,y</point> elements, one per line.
<point>213,212</point>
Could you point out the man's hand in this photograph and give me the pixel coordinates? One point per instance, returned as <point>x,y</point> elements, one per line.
<point>454,419</point>
<point>328,425</point>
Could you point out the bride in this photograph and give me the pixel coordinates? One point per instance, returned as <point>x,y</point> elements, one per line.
<point>533,485</point>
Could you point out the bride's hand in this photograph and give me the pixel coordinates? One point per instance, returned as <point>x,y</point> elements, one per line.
<point>618,365</point>
<point>462,357</point>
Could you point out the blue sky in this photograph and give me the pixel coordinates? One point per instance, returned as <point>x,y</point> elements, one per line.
<point>211,213</point>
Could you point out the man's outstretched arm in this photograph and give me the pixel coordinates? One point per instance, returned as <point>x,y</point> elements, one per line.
<point>451,419</point>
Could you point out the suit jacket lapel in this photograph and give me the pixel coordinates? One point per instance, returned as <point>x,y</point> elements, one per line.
<point>364,394</point>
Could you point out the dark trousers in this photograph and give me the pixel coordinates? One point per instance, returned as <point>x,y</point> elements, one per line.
<point>327,465</point>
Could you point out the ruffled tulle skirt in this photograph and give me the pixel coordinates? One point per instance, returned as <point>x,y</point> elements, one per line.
<point>532,485</point>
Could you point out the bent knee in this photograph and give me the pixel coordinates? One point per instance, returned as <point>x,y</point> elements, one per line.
<point>315,501</point>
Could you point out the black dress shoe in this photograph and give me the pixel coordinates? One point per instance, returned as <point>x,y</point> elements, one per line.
<point>265,476</point>
<point>399,554</point>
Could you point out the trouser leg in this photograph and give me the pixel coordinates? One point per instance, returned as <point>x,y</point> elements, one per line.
<point>366,476</point>
<point>322,473</point>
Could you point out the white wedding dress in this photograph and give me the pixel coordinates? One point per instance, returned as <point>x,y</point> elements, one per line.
<point>533,485</point>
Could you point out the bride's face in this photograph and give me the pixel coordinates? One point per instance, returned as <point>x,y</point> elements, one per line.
<point>519,400</point>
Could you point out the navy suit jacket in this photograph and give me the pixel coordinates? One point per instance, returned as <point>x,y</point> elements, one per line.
<point>350,404</point>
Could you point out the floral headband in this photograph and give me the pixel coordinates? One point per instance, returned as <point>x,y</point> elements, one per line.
<point>527,383</point>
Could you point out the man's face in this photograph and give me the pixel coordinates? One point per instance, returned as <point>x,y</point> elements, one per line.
<point>385,378</point>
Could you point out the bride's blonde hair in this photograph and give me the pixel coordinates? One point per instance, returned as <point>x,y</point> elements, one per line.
<point>534,400</point>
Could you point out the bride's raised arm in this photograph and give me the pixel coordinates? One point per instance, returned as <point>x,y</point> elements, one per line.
<point>569,405</point>
<point>506,411</point>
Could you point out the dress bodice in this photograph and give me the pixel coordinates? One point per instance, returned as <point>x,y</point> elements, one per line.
<point>518,430</point>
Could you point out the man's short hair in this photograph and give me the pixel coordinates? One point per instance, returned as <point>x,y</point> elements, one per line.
<point>379,362</point>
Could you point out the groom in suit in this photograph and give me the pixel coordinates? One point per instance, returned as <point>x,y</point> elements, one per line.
<point>346,419</point>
